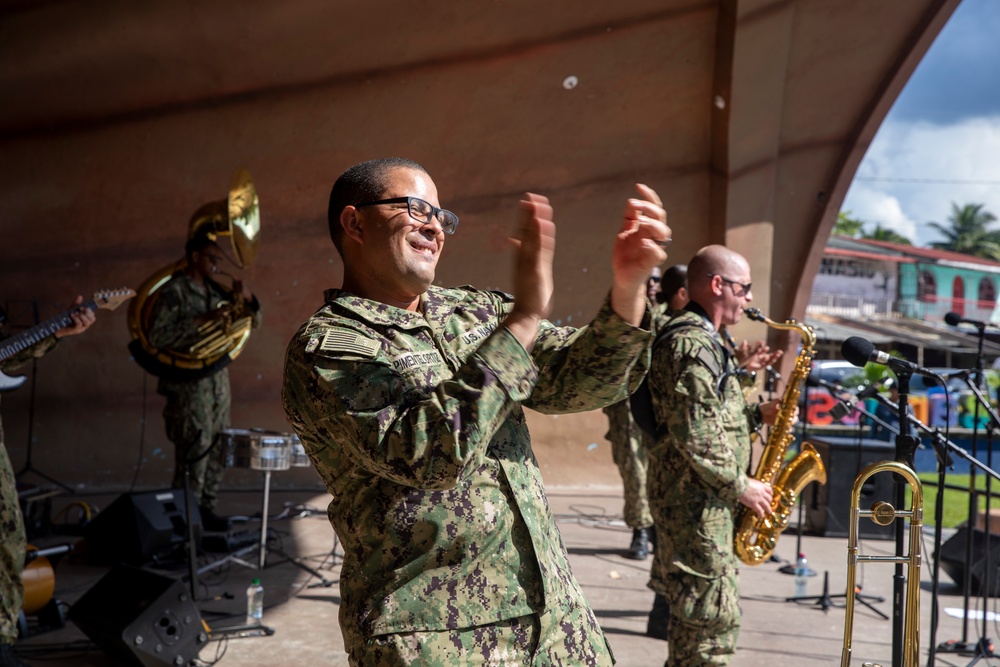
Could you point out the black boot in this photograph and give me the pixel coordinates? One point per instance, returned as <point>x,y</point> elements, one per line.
<point>212,522</point>
<point>659,618</point>
<point>8,658</point>
<point>639,548</point>
<point>651,532</point>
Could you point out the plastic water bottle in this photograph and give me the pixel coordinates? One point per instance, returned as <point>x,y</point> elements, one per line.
<point>801,575</point>
<point>255,603</point>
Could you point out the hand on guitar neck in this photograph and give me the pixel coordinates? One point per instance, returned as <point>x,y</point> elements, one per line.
<point>74,321</point>
<point>81,317</point>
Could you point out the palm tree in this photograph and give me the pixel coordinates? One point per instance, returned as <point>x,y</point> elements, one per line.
<point>967,232</point>
<point>847,226</point>
<point>881,233</point>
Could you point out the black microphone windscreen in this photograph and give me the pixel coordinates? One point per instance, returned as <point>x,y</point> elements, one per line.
<point>954,319</point>
<point>857,350</point>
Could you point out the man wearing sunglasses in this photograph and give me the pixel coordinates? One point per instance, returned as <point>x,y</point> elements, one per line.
<point>408,398</point>
<point>698,465</point>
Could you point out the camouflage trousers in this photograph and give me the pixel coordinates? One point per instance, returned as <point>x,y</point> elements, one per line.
<point>628,449</point>
<point>12,546</point>
<point>697,573</point>
<point>195,414</point>
<point>559,636</point>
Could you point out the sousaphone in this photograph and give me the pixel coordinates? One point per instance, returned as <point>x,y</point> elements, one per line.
<point>238,219</point>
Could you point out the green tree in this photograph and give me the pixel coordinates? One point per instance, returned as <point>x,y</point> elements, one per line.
<point>847,226</point>
<point>881,233</point>
<point>967,231</point>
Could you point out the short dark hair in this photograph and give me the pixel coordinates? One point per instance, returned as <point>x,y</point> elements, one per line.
<point>672,281</point>
<point>366,181</point>
<point>197,243</point>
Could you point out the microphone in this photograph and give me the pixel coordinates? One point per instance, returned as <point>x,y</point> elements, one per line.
<point>954,319</point>
<point>859,351</point>
<point>843,406</point>
<point>874,388</point>
<point>814,380</point>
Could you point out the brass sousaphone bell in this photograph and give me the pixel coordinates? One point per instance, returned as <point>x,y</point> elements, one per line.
<point>221,341</point>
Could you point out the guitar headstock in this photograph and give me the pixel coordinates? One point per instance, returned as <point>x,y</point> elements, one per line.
<point>111,299</point>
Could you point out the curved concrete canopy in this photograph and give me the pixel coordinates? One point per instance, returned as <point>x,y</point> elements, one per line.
<point>749,117</point>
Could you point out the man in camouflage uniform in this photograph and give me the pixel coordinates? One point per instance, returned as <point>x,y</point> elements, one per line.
<point>408,398</point>
<point>697,471</point>
<point>12,536</point>
<point>629,446</point>
<point>197,410</point>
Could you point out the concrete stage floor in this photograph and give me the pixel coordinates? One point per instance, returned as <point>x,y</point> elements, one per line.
<point>303,611</point>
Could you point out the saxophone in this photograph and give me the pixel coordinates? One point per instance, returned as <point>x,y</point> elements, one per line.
<point>756,537</point>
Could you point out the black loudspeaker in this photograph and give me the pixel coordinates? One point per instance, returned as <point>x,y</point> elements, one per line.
<point>141,617</point>
<point>138,526</point>
<point>985,560</point>
<point>828,507</point>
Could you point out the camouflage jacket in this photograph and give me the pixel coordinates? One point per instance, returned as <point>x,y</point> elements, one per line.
<point>12,363</point>
<point>173,327</point>
<point>705,454</point>
<point>38,350</point>
<point>415,423</point>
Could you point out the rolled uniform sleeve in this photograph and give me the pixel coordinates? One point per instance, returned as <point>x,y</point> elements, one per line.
<point>36,351</point>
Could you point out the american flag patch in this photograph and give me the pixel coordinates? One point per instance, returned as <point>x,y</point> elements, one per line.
<point>348,341</point>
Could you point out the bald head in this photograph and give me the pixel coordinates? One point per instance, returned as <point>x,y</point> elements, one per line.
<point>718,281</point>
<point>714,260</point>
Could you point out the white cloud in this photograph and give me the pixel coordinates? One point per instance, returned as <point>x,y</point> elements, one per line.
<point>920,168</point>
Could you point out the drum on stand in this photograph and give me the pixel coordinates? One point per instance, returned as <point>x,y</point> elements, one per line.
<point>254,449</point>
<point>297,457</point>
<point>257,449</point>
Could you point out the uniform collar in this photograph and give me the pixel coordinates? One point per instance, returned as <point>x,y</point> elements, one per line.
<point>435,304</point>
<point>695,308</point>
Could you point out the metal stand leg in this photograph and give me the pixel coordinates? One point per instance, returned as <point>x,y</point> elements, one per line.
<point>263,520</point>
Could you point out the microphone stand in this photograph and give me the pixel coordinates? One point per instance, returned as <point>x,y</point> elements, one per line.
<point>982,648</point>
<point>944,448</point>
<point>906,445</point>
<point>824,601</point>
<point>28,466</point>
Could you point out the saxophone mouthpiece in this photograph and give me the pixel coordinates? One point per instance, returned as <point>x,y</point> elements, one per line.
<point>755,314</point>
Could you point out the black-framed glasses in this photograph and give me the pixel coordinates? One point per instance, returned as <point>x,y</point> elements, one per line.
<point>745,287</point>
<point>421,211</point>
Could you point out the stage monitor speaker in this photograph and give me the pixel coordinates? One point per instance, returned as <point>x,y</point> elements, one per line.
<point>141,617</point>
<point>985,560</point>
<point>138,526</point>
<point>828,507</point>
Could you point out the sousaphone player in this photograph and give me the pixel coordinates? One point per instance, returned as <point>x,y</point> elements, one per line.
<point>187,327</point>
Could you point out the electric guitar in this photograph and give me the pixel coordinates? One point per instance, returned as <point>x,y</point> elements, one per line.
<point>108,300</point>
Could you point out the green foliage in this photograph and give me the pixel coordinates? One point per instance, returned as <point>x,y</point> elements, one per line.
<point>847,226</point>
<point>955,510</point>
<point>967,231</point>
<point>881,233</point>
<point>872,373</point>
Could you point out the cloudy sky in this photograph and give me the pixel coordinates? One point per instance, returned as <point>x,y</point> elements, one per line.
<point>940,142</point>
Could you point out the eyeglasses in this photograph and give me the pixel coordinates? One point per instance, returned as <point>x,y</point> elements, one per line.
<point>421,211</point>
<point>214,259</point>
<point>745,287</point>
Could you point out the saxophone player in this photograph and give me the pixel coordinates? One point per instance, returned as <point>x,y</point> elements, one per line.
<point>698,470</point>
